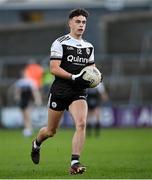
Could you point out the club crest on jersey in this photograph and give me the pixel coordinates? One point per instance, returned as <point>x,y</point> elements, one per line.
<point>88,51</point>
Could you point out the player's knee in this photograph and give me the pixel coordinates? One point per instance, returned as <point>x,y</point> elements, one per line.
<point>81,125</point>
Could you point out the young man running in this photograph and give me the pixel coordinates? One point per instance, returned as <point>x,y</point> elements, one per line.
<point>69,55</point>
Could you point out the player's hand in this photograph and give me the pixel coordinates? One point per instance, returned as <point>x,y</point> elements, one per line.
<point>79,81</point>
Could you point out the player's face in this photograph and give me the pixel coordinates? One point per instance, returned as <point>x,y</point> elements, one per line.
<point>77,26</point>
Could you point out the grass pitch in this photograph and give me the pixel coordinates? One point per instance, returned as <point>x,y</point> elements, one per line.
<point>117,153</point>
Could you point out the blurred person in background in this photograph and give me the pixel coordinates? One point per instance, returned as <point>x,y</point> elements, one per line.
<point>26,92</point>
<point>34,71</point>
<point>96,96</point>
<point>69,55</point>
<point>47,81</point>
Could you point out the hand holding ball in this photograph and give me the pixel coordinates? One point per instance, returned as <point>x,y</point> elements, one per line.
<point>93,75</point>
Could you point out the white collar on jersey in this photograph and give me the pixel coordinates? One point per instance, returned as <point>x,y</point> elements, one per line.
<point>78,40</point>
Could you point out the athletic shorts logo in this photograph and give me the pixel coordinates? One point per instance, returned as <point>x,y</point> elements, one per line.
<point>54,105</point>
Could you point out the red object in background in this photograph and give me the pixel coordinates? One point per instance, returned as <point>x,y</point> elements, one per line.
<point>34,72</point>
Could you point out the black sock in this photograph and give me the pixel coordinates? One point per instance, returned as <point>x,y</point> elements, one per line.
<point>75,157</point>
<point>38,143</point>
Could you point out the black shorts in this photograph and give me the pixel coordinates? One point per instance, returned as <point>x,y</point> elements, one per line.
<point>26,98</point>
<point>58,103</point>
<point>23,104</point>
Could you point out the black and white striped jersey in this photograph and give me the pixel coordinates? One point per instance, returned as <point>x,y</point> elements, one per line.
<point>74,55</point>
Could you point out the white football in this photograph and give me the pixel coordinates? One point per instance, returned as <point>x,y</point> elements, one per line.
<point>93,75</point>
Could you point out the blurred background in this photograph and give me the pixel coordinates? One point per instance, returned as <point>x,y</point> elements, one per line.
<point>121,32</point>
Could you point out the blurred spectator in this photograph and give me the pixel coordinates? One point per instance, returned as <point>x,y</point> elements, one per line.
<point>26,91</point>
<point>47,81</point>
<point>34,71</point>
<point>95,97</point>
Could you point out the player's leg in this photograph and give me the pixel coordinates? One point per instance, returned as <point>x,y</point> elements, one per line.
<point>53,122</point>
<point>27,131</point>
<point>26,113</point>
<point>78,110</point>
<point>45,132</point>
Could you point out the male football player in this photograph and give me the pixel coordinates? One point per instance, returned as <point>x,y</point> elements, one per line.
<point>69,55</point>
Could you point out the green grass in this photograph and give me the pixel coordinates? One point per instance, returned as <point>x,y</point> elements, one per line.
<point>117,153</point>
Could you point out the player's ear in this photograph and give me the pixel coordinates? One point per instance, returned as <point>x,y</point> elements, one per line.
<point>69,22</point>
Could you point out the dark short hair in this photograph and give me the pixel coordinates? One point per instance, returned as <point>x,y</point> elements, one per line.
<point>78,12</point>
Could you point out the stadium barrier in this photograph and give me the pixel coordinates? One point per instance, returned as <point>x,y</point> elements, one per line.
<point>115,116</point>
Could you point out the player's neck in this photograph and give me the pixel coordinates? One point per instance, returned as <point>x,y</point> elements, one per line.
<point>77,37</point>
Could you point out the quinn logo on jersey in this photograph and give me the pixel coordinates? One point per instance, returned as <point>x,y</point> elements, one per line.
<point>77,59</point>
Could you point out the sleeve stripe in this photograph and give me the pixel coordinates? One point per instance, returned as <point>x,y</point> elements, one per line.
<point>55,58</point>
<point>90,63</point>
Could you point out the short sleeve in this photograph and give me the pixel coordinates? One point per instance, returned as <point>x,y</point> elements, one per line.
<point>56,51</point>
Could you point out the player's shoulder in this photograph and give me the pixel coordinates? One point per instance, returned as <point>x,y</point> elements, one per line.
<point>63,38</point>
<point>60,40</point>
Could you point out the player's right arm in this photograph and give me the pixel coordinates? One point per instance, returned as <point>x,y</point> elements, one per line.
<point>56,53</point>
<point>58,71</point>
